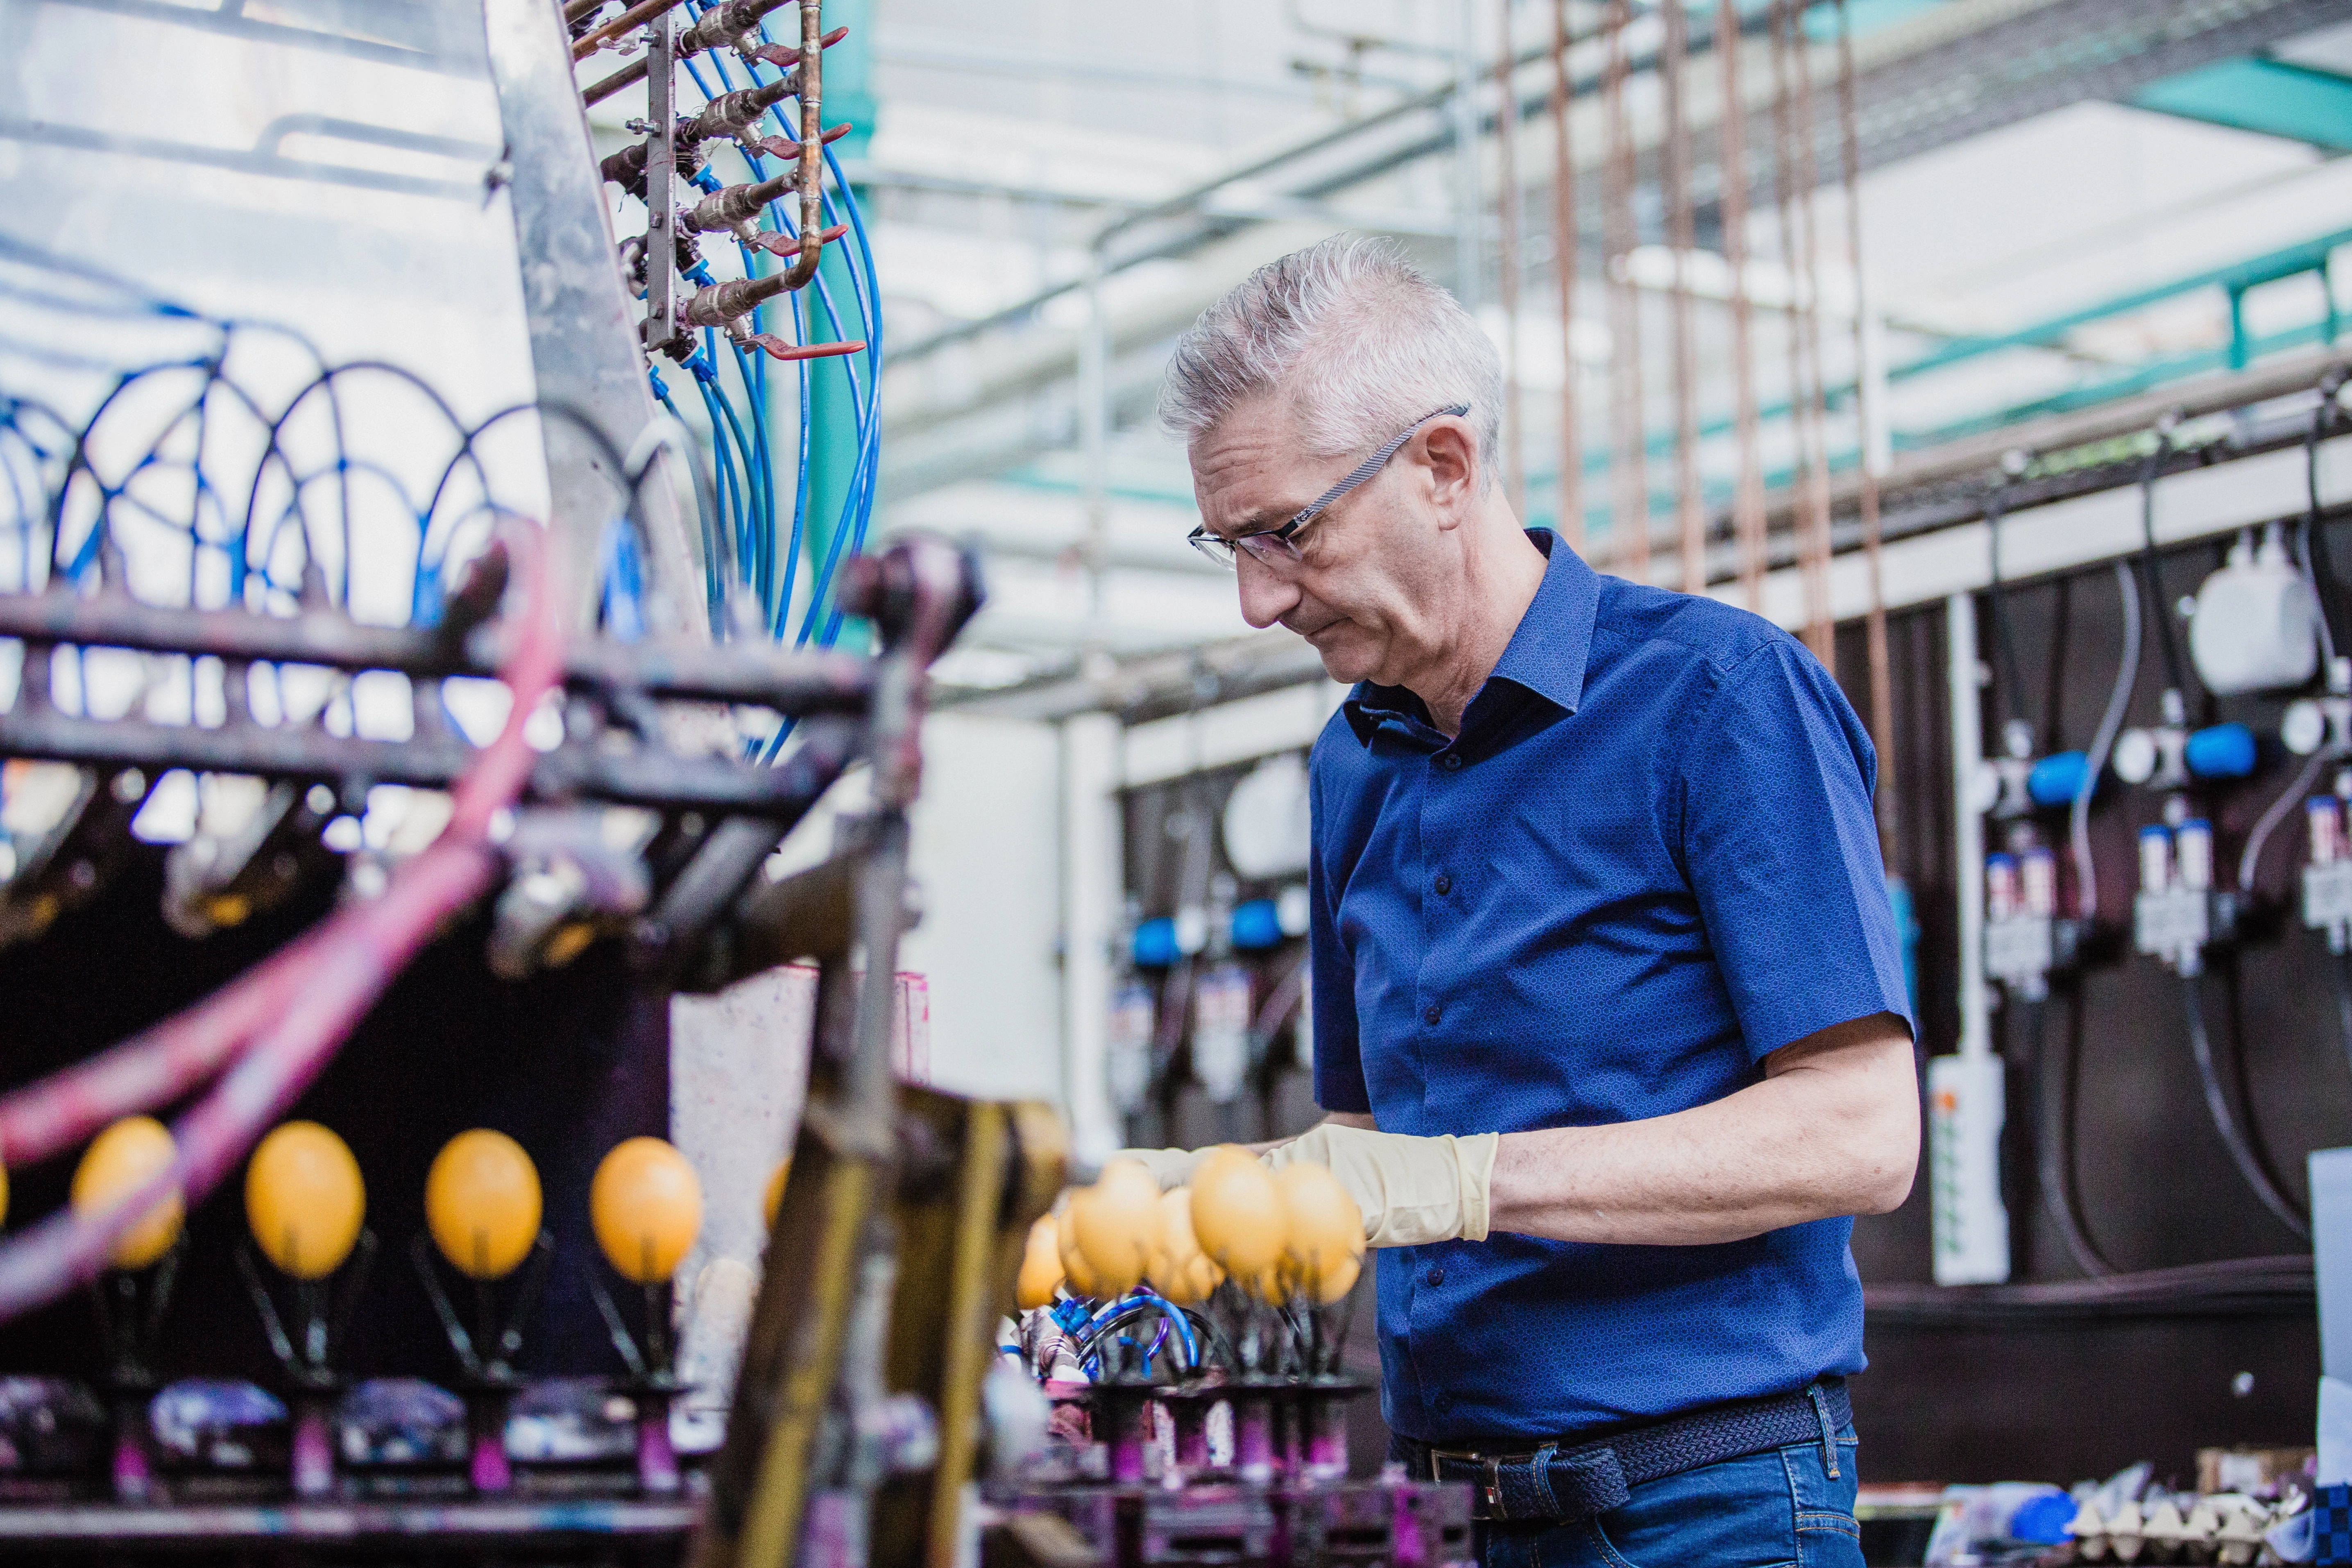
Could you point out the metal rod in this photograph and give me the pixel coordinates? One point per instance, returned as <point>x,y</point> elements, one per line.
<point>1566,253</point>
<point>1467,207</point>
<point>1507,261</point>
<point>1882,694</point>
<point>1629,512</point>
<point>811,148</point>
<point>1820,624</point>
<point>661,327</point>
<point>644,11</point>
<point>1682,238</point>
<point>1747,514</point>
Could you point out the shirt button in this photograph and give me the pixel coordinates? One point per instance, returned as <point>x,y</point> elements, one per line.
<point>1444,884</point>
<point>1451,762</point>
<point>1443,1402</point>
<point>1437,1276</point>
<point>1431,1013</point>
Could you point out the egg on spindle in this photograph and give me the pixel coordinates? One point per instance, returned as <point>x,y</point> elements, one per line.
<point>773,1198</point>
<point>125,1157</point>
<point>482,1204</point>
<point>1077,1274</point>
<point>1324,1248</point>
<point>1237,1212</point>
<point>304,1200</point>
<point>1115,1223</point>
<point>1040,1266</point>
<point>1180,1270</point>
<point>645,1205</point>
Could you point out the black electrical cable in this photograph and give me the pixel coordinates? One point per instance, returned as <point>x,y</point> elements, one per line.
<point>2010,700</point>
<point>2057,1108</point>
<point>2339,970</point>
<point>2317,566</point>
<point>2167,634</point>
<point>2231,1288</point>
<point>2242,1152</point>
<point>2053,707</point>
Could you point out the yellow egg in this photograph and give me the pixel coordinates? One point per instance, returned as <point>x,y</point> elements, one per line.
<point>1115,1222</point>
<point>1180,1270</point>
<point>1337,1280</point>
<point>1325,1227</point>
<point>1077,1273</point>
<point>481,1203</point>
<point>1237,1212</point>
<point>1040,1266</point>
<point>774,1197</point>
<point>119,1161</point>
<point>645,1206</point>
<point>304,1199</point>
<point>4,1195</point>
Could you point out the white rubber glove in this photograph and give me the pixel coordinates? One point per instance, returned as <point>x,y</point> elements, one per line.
<point>1172,1168</point>
<point>1411,1190</point>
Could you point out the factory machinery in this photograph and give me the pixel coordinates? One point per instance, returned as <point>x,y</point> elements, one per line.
<point>357,826</point>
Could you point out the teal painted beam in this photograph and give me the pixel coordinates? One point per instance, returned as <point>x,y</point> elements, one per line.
<point>2272,96</point>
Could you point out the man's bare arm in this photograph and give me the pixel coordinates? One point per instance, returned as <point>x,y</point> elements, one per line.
<point>1832,1130</point>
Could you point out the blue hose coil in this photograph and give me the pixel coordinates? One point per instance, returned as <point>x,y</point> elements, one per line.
<point>2223,751</point>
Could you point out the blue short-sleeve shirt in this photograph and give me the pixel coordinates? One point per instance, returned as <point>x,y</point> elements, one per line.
<point>1647,862</point>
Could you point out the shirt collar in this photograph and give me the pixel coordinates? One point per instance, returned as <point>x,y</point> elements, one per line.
<point>1546,653</point>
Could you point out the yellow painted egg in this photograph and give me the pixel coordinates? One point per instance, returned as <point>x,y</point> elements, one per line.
<point>1237,1212</point>
<point>1325,1227</point>
<point>125,1157</point>
<point>1040,1266</point>
<point>1115,1223</point>
<point>304,1199</point>
<point>482,1204</point>
<point>773,1198</point>
<point>1180,1270</point>
<point>1077,1272</point>
<point>645,1206</point>
<point>4,1195</point>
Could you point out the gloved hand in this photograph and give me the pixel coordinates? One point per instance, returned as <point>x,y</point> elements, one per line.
<point>1172,1168</point>
<point>1411,1190</point>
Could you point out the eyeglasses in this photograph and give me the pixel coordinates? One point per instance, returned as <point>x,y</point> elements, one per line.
<point>1274,545</point>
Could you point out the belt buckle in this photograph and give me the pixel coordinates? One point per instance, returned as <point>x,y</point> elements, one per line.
<point>1492,1487</point>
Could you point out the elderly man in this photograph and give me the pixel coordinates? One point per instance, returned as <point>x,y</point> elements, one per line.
<point>1609,1020</point>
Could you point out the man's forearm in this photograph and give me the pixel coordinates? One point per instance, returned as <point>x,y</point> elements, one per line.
<point>1834,1133</point>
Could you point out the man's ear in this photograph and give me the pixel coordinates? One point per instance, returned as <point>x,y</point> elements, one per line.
<point>1450,453</point>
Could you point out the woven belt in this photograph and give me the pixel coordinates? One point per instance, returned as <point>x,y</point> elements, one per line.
<point>1567,1484</point>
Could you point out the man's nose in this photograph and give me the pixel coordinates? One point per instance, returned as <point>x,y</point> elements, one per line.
<point>1266,594</point>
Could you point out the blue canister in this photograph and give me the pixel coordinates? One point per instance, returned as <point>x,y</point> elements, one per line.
<point>2223,751</point>
<point>2057,779</point>
<point>1257,925</point>
<point>1155,945</point>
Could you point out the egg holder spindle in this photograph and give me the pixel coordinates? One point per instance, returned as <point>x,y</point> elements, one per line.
<point>129,1304</point>
<point>653,1385</point>
<point>322,1314</point>
<point>490,1382</point>
<point>1124,1386</point>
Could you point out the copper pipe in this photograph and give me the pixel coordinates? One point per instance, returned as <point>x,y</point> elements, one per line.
<point>812,95</point>
<point>1747,514</point>
<point>1565,255</point>
<point>1629,511</point>
<point>636,16</point>
<point>735,204</point>
<point>1506,260</point>
<point>1818,609</point>
<point>1882,693</point>
<point>574,10</point>
<point>1682,238</point>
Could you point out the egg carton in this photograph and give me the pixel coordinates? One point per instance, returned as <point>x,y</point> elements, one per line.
<point>2225,1528</point>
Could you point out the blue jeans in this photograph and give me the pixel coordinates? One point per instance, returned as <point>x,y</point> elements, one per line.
<point>1783,1509</point>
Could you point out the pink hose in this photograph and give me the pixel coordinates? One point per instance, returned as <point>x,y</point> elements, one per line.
<point>283,1022</point>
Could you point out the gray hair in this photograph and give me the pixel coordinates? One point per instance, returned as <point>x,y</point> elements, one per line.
<point>1368,340</point>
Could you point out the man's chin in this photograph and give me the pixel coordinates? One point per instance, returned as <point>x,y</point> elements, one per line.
<point>1348,658</point>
